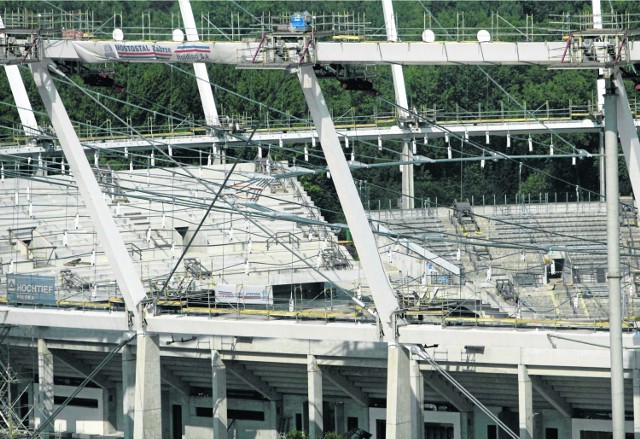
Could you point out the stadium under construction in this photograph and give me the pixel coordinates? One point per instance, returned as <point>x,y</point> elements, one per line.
<point>213,299</point>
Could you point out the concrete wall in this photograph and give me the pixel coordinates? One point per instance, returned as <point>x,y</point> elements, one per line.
<point>201,426</point>
<point>430,416</point>
<point>74,419</point>
<point>579,425</point>
<point>553,419</point>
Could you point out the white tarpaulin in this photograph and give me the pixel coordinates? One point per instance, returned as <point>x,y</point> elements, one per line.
<point>188,52</point>
<point>243,294</point>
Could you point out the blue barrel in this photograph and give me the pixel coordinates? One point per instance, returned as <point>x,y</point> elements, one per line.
<point>298,22</point>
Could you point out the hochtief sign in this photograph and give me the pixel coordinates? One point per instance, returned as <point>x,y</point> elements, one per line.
<point>27,288</point>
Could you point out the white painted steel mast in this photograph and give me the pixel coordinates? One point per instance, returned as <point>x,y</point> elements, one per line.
<point>27,117</point>
<point>200,69</point>
<point>403,103</point>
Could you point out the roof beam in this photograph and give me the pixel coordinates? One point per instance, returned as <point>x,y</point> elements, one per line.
<point>82,368</point>
<point>551,396</point>
<point>440,385</point>
<point>253,381</point>
<point>548,53</point>
<point>174,382</point>
<point>346,386</point>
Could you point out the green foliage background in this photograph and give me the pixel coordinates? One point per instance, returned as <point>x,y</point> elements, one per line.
<point>158,90</point>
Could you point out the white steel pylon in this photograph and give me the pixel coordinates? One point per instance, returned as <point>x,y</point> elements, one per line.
<point>27,118</point>
<point>402,103</point>
<point>200,70</point>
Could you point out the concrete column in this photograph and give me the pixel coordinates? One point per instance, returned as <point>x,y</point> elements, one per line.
<point>148,406</point>
<point>109,409</point>
<point>219,395</point>
<point>417,400</point>
<point>275,413</point>
<point>636,395</point>
<point>407,178</point>
<point>525,403</point>
<point>45,385</point>
<point>611,131</point>
<point>314,383</point>
<point>128,389</point>
<point>466,425</point>
<point>185,402</point>
<point>340,423</point>
<point>398,393</point>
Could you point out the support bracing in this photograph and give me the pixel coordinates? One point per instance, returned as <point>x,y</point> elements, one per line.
<point>551,396</point>
<point>383,296</point>
<point>123,268</point>
<point>363,238</point>
<point>346,386</point>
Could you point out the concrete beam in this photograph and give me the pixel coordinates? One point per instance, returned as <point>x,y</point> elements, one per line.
<point>551,396</point>
<point>174,382</point>
<point>346,386</point>
<point>82,368</point>
<point>389,53</point>
<point>253,381</point>
<point>441,386</point>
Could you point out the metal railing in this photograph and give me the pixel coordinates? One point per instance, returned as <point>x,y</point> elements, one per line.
<point>347,25</point>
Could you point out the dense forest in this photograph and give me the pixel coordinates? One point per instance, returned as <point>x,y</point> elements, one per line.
<point>163,94</point>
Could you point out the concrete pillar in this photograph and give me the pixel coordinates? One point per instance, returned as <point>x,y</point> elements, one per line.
<point>340,423</point>
<point>185,402</point>
<point>109,409</point>
<point>148,406</point>
<point>219,395</point>
<point>417,400</point>
<point>314,383</point>
<point>407,178</point>
<point>636,395</point>
<point>525,403</point>
<point>466,425</point>
<point>398,393</point>
<point>128,389</point>
<point>627,132</point>
<point>45,385</point>
<point>275,413</point>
